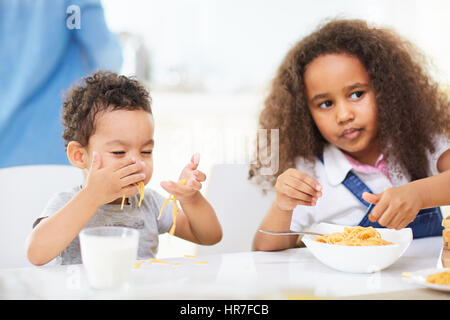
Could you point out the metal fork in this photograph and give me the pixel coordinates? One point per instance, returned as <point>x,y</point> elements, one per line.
<point>290,233</point>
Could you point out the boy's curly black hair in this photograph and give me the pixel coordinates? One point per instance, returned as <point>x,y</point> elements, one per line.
<point>412,109</point>
<point>101,91</point>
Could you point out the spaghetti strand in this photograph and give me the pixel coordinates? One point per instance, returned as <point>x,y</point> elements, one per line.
<point>174,208</point>
<point>355,236</point>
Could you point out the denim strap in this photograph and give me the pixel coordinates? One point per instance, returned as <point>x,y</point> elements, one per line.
<point>427,223</point>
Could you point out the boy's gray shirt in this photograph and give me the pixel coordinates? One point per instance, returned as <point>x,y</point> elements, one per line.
<point>143,218</point>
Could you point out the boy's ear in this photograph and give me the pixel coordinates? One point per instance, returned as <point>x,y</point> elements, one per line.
<point>77,155</point>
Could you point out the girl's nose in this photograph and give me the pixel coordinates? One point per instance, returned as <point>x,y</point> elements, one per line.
<point>344,113</point>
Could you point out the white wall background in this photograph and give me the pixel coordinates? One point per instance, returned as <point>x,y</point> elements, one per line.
<point>233,45</point>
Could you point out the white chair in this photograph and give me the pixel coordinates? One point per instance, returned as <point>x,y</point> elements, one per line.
<point>240,206</point>
<point>24,192</point>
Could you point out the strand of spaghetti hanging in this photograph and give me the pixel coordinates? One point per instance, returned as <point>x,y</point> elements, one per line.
<point>185,185</point>
<point>141,186</point>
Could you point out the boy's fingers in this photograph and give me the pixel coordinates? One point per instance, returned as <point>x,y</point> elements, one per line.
<point>169,186</point>
<point>129,191</point>
<point>195,160</point>
<point>129,169</point>
<point>132,179</point>
<point>199,176</point>
<point>176,188</point>
<point>123,163</point>
<point>194,184</point>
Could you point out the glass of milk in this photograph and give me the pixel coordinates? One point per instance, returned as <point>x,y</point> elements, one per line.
<point>109,255</point>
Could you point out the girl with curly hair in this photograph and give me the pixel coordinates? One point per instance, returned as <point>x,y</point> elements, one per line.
<point>363,135</point>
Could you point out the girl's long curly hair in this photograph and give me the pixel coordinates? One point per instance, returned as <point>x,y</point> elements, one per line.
<point>412,109</point>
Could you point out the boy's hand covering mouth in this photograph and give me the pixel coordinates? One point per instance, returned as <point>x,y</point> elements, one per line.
<point>122,179</point>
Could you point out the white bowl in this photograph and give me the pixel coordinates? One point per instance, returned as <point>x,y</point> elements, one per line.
<point>358,259</point>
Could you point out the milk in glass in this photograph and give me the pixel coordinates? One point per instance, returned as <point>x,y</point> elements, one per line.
<point>109,255</point>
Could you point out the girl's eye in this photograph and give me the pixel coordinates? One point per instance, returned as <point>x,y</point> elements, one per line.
<point>325,104</point>
<point>356,94</point>
<point>147,152</point>
<point>118,152</point>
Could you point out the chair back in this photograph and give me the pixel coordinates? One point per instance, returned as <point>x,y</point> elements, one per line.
<point>24,193</point>
<point>240,206</point>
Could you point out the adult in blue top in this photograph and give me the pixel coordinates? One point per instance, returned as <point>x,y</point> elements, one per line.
<point>44,47</point>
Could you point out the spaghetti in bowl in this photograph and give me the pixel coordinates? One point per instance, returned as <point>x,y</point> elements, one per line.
<point>382,248</point>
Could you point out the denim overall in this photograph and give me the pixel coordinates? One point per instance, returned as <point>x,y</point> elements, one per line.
<point>428,222</point>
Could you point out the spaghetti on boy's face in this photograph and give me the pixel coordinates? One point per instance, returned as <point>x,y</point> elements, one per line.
<point>123,134</point>
<point>342,103</point>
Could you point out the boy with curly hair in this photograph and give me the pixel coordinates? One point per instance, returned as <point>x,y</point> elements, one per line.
<point>109,135</point>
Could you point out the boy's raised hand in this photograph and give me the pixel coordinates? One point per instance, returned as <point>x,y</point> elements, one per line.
<point>294,187</point>
<point>194,178</point>
<point>109,183</point>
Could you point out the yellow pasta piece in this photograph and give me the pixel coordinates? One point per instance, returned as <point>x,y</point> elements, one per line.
<point>123,202</point>
<point>158,261</point>
<point>442,278</point>
<point>164,204</point>
<point>201,262</point>
<point>355,236</point>
<point>174,216</point>
<point>174,207</point>
<point>141,191</point>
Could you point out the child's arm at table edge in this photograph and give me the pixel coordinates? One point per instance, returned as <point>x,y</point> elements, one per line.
<point>197,222</point>
<point>439,184</point>
<point>53,234</point>
<point>276,220</point>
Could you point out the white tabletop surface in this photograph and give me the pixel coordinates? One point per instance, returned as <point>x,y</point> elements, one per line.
<point>292,273</point>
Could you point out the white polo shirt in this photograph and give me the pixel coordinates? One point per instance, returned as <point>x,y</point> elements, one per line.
<point>337,204</point>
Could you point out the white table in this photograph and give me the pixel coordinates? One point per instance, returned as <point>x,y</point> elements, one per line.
<point>286,274</point>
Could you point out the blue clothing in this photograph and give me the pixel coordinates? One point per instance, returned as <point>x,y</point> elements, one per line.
<point>428,222</point>
<point>40,58</point>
